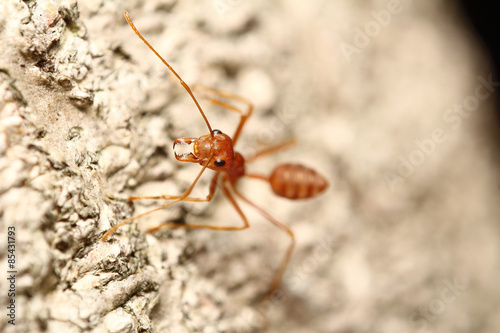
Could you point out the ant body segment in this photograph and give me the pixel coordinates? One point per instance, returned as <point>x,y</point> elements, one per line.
<point>215,151</point>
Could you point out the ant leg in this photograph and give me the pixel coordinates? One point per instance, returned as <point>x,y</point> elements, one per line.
<point>209,197</point>
<point>271,150</point>
<point>267,151</point>
<point>181,198</point>
<point>278,274</point>
<point>228,194</point>
<point>224,94</point>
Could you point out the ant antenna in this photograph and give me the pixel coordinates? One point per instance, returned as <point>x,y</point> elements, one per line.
<point>184,84</point>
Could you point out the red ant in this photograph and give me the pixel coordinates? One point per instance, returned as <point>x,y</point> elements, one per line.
<point>215,151</point>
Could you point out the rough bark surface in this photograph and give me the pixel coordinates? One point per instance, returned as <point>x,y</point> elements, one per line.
<point>390,100</point>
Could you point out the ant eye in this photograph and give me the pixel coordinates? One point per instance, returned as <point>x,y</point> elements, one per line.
<point>219,163</point>
<point>216,131</point>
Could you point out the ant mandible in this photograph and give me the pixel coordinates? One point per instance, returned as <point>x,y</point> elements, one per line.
<point>215,151</point>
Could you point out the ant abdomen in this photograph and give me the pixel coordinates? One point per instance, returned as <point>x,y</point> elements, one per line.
<point>295,181</point>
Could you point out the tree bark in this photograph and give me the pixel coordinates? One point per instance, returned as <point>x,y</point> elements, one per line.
<point>391,103</point>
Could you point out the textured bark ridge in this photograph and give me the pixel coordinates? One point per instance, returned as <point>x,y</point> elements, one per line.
<point>389,101</point>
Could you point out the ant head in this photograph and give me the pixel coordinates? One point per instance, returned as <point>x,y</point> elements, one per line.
<point>216,144</point>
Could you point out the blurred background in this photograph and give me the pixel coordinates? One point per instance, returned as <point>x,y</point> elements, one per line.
<point>484,27</point>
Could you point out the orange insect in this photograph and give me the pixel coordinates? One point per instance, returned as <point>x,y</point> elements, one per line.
<point>215,151</point>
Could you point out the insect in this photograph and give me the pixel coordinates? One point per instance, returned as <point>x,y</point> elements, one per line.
<point>215,151</point>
